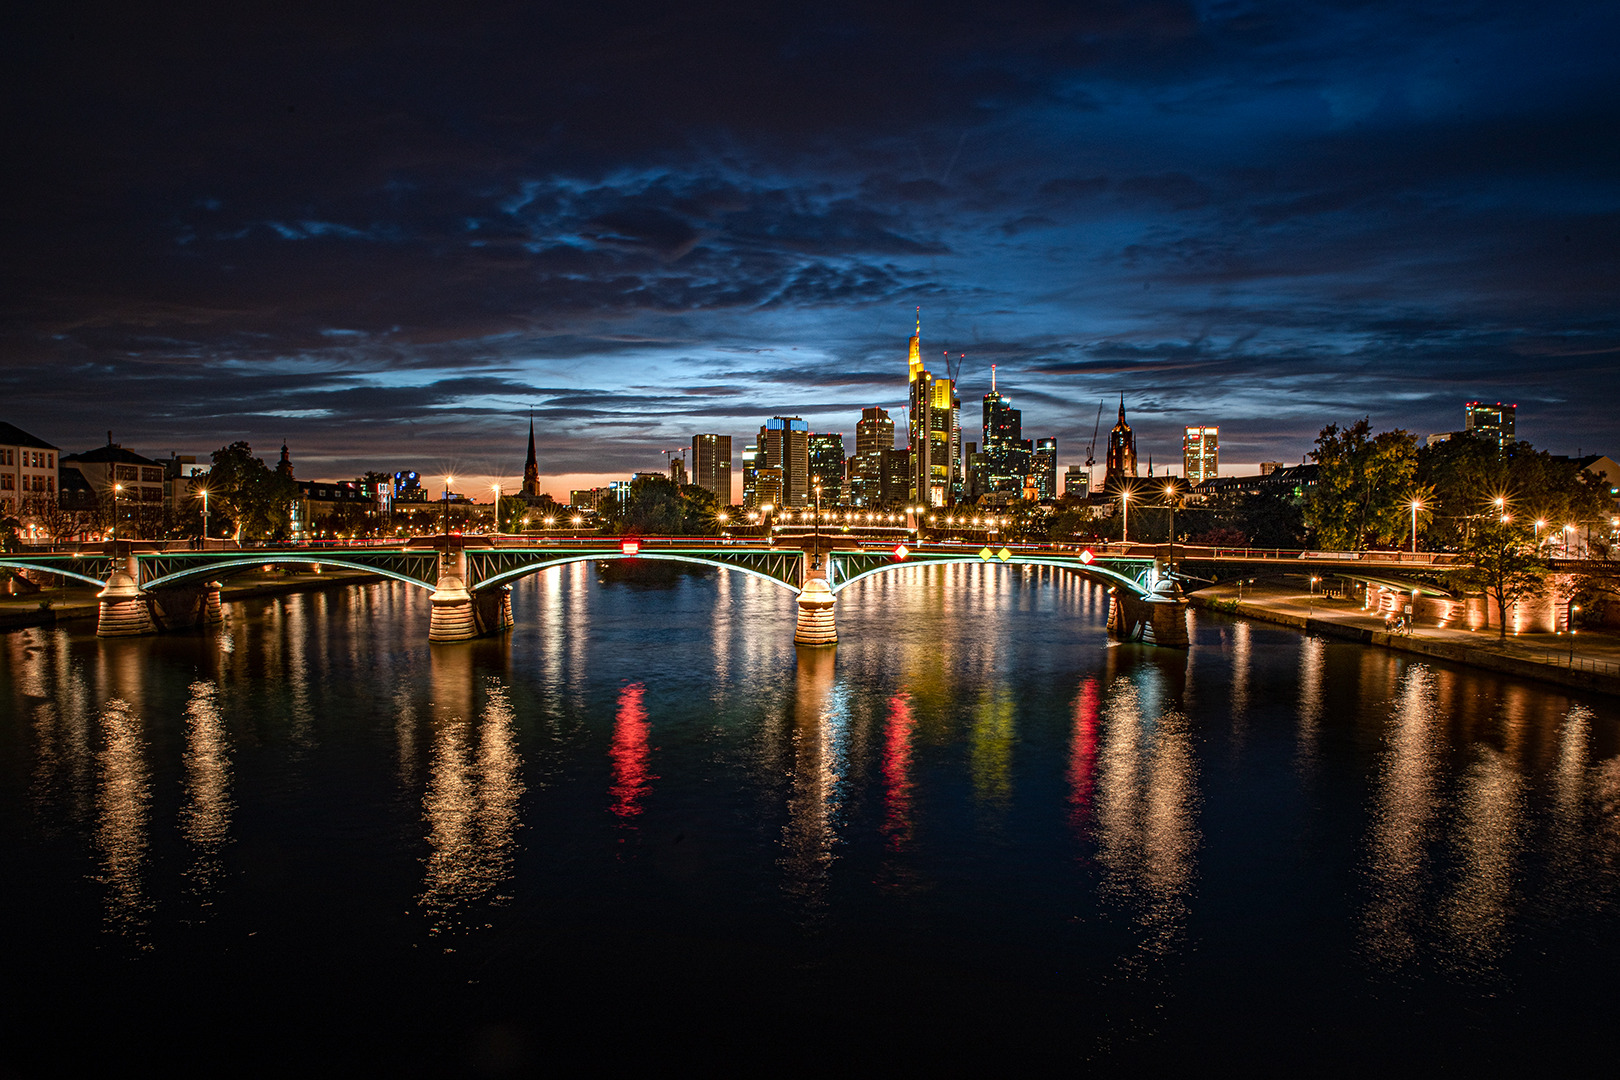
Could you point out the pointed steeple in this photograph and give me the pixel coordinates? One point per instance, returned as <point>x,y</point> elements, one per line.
<point>531,467</point>
<point>1122,408</point>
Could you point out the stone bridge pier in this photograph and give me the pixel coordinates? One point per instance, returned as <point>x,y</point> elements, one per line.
<point>816,624</point>
<point>127,610</point>
<point>1157,619</point>
<point>460,614</point>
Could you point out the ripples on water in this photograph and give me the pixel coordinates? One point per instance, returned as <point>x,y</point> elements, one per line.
<point>976,805</point>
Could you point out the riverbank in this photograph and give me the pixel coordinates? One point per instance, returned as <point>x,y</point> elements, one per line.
<point>50,607</point>
<point>1592,664</point>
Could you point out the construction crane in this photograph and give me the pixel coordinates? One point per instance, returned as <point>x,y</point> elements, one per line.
<point>1091,451</point>
<point>681,450</point>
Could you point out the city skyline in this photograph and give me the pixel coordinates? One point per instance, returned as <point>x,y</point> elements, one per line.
<point>387,250</point>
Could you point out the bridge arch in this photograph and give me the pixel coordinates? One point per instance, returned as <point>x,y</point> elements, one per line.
<point>219,569</point>
<point>10,564</point>
<point>517,572</point>
<point>1097,573</point>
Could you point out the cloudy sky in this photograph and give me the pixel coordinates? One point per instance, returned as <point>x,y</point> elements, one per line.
<point>388,234</point>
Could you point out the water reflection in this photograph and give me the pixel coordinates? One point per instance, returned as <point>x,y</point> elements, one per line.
<point>1404,816</point>
<point>990,743</point>
<point>1083,758</point>
<point>1312,657</point>
<point>1147,843</point>
<point>898,827</point>
<point>205,814</point>
<point>629,753</point>
<point>1491,812</point>
<point>809,836</point>
<point>473,790</point>
<point>124,797</point>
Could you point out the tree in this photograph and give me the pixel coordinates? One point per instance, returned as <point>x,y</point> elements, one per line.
<point>253,495</point>
<point>1504,562</point>
<point>1363,486</point>
<point>1468,475</point>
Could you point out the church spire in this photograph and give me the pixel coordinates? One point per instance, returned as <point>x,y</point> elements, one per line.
<point>531,468</point>
<point>1122,408</point>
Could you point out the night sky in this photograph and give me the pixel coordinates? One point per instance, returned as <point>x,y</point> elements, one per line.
<point>386,234</point>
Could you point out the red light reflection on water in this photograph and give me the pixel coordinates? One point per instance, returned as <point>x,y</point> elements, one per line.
<point>1083,756</point>
<point>629,752</point>
<point>897,825</point>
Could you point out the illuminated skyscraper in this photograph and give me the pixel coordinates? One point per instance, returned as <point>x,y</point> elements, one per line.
<point>1044,470</point>
<point>750,470</point>
<point>827,467</point>
<point>711,465</point>
<point>935,431</point>
<point>1200,454</point>
<point>1493,422</point>
<point>1076,483</point>
<point>1004,461</point>
<point>784,443</point>
<point>874,433</point>
<point>1121,453</point>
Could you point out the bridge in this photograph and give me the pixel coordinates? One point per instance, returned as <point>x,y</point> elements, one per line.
<point>151,587</point>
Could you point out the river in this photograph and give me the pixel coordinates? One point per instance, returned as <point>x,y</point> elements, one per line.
<point>643,827</point>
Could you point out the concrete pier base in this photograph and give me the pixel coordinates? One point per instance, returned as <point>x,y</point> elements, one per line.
<point>454,618</point>
<point>125,610</point>
<point>816,624</point>
<point>1153,622</point>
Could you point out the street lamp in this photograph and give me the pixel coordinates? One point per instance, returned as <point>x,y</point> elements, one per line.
<point>1170,494</point>
<point>1125,515</point>
<point>448,480</point>
<point>496,488</point>
<point>204,494</point>
<point>114,530</point>
<point>1417,505</point>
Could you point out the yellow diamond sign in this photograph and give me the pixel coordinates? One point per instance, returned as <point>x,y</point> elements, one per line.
<point>1004,554</point>
<point>986,554</point>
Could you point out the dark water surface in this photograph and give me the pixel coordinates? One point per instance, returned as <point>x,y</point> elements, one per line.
<point>644,828</point>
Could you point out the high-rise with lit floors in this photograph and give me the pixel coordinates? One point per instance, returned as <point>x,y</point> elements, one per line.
<point>1494,422</point>
<point>711,465</point>
<point>1200,454</point>
<point>827,467</point>
<point>874,433</point>
<point>1044,470</point>
<point>1004,461</point>
<point>934,430</point>
<point>784,443</point>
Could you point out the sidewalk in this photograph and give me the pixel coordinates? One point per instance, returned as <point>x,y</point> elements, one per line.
<point>78,602</point>
<point>1594,665</point>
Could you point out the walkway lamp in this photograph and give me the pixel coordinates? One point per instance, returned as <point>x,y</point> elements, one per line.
<point>116,489</point>
<point>1125,515</point>
<point>204,494</point>
<point>1170,499</point>
<point>1569,621</point>
<point>578,519</point>
<point>496,488</point>
<point>549,522</point>
<point>448,480</point>
<point>1416,505</point>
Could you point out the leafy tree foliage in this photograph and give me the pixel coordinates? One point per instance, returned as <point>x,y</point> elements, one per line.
<point>1363,488</point>
<point>250,493</point>
<point>657,507</point>
<point>1464,478</point>
<point>1504,562</point>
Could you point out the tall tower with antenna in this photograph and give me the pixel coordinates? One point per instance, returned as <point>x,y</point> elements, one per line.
<point>934,430</point>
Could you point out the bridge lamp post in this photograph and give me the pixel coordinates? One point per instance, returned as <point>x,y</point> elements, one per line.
<point>1125,515</point>
<point>1170,499</point>
<point>548,523</point>
<point>1416,505</point>
<point>496,488</point>
<point>578,519</point>
<point>448,480</point>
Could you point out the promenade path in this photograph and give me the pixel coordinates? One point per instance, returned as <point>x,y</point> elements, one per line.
<point>1592,663</point>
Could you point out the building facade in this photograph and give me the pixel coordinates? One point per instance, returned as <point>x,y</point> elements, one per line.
<point>1005,459</point>
<point>711,465</point>
<point>784,443</point>
<point>874,433</point>
<point>1493,422</point>
<point>1076,483</point>
<point>1200,454</point>
<point>131,486</point>
<point>1044,470</point>
<point>827,467</point>
<point>28,470</point>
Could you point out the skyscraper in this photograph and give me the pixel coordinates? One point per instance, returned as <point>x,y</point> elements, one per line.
<point>1076,483</point>
<point>531,467</point>
<point>1004,460</point>
<point>1044,470</point>
<point>1121,453</point>
<point>1200,454</point>
<point>711,465</point>
<point>874,433</point>
<point>1493,422</point>
<point>827,467</point>
<point>750,471</point>
<point>784,443</point>
<point>934,430</point>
